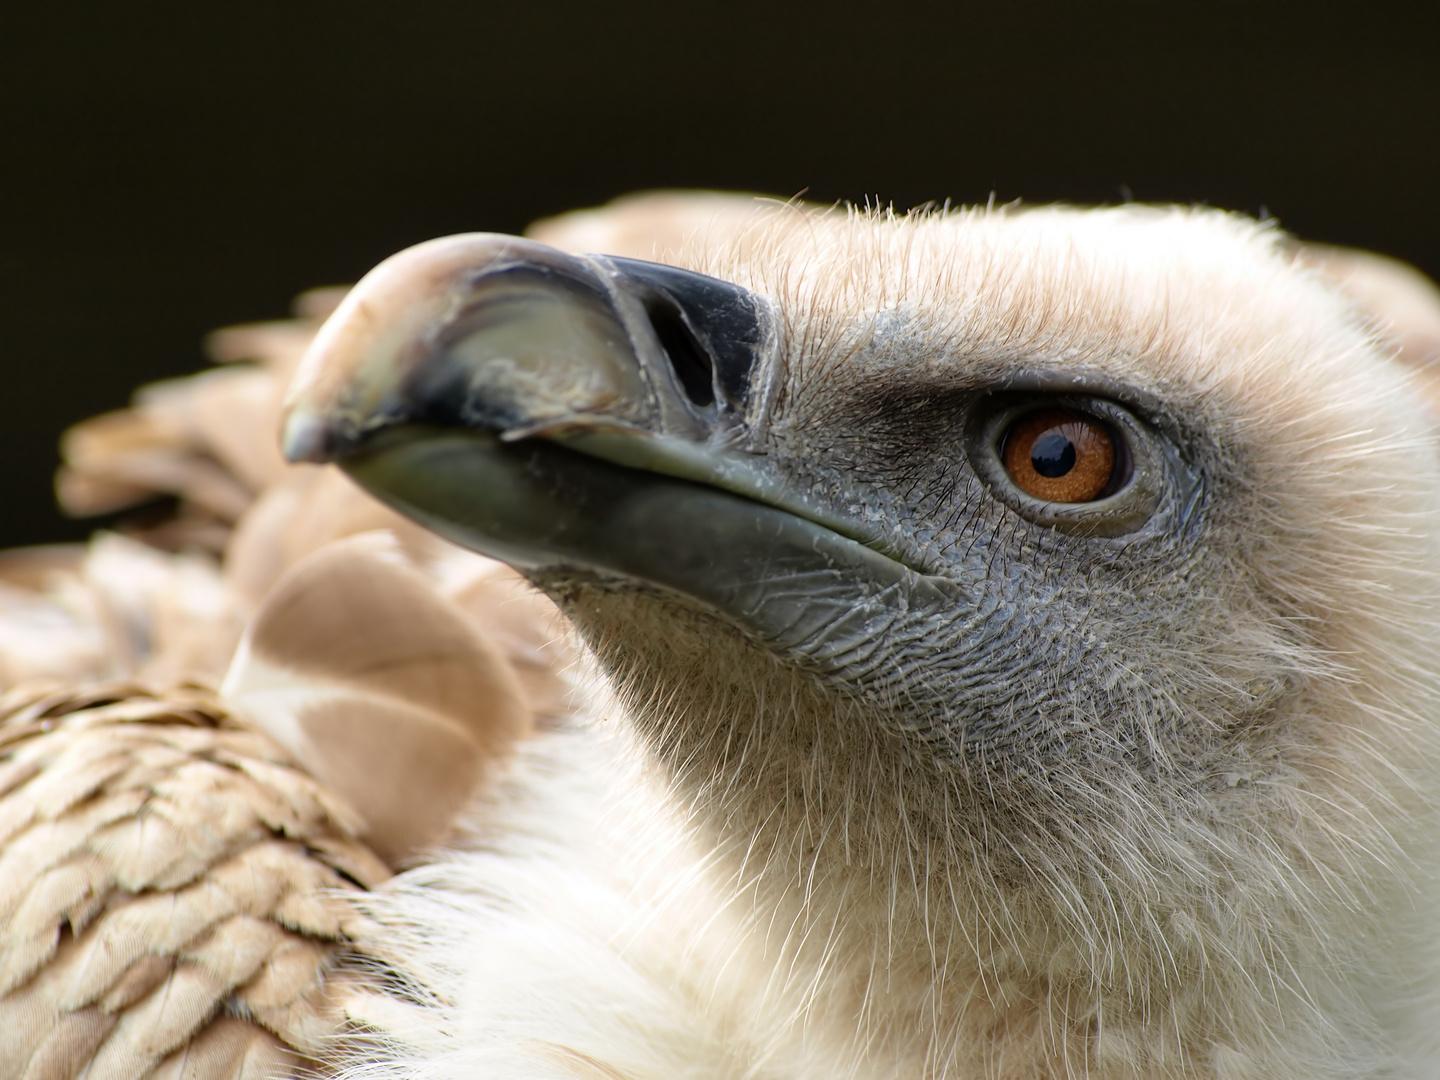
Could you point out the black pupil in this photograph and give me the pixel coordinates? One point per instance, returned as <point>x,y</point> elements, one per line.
<point>1052,455</point>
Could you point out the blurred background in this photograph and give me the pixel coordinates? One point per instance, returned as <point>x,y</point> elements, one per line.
<point>167,168</point>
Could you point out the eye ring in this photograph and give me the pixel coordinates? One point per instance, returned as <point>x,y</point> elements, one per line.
<point>1106,472</point>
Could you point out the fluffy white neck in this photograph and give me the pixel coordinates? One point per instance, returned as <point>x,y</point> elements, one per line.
<point>587,930</point>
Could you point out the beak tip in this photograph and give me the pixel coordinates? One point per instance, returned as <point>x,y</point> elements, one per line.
<point>307,438</point>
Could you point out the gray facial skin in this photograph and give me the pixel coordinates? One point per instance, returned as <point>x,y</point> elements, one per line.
<point>545,422</point>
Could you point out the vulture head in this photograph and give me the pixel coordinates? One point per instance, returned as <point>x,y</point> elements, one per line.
<point>1041,603</point>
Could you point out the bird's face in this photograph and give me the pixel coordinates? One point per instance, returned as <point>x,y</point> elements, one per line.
<point>1047,546</point>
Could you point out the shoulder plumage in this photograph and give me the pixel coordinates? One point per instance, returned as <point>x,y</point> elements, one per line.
<point>178,864</point>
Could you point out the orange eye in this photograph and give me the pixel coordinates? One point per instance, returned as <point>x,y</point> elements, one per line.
<point>1060,456</point>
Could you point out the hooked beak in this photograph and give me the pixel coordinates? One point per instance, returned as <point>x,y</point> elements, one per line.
<point>580,414</point>
<point>511,336</point>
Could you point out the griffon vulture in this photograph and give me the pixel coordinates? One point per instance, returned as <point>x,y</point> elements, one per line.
<point>1011,649</point>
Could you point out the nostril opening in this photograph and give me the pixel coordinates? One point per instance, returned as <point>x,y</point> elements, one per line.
<point>688,358</point>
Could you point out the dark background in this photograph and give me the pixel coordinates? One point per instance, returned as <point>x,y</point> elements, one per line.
<point>166,168</point>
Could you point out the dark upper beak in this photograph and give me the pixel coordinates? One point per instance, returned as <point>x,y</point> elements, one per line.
<point>506,335</point>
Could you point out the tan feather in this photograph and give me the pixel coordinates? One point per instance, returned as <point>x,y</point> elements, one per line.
<point>96,453</point>
<point>131,450</point>
<point>120,609</point>
<point>63,1051</point>
<point>64,889</point>
<point>83,494</point>
<point>381,686</point>
<point>140,849</point>
<point>34,568</point>
<point>140,979</point>
<point>650,225</point>
<point>166,867</point>
<point>163,1020</point>
<point>49,637</point>
<point>229,1049</point>
<point>415,770</point>
<point>235,949</point>
<point>1401,303</point>
<point>310,508</point>
<point>45,844</point>
<point>227,414</point>
<point>208,439</point>
<point>288,972</point>
<point>357,614</point>
<point>196,622</point>
<point>319,303</point>
<point>523,623</point>
<point>278,345</point>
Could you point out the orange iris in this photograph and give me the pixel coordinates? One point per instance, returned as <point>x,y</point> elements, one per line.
<point>1059,456</point>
